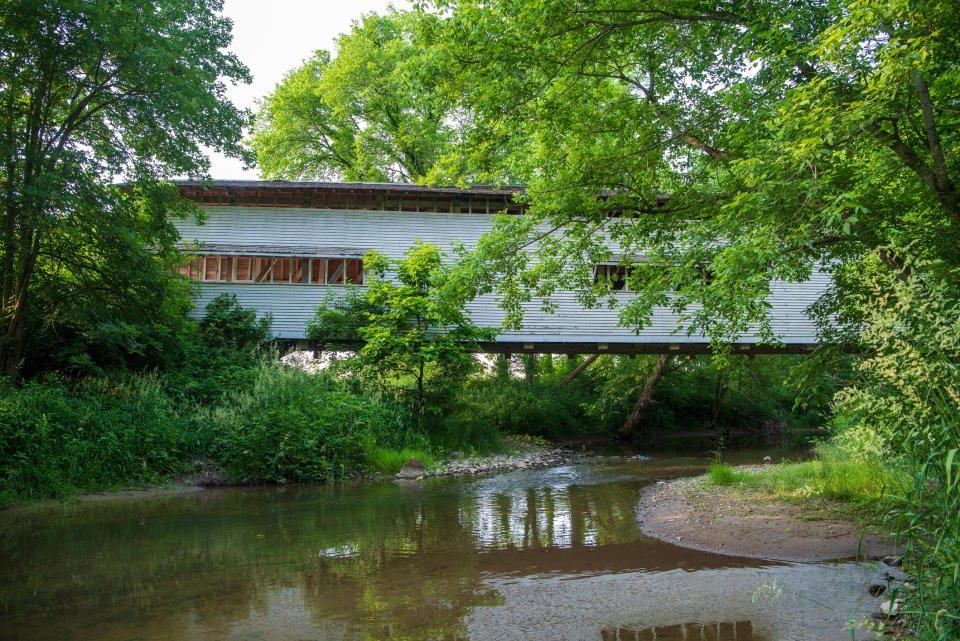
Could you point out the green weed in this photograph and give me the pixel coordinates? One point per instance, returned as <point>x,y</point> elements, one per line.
<point>387,461</point>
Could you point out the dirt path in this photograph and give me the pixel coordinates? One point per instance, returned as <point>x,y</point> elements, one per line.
<point>694,514</point>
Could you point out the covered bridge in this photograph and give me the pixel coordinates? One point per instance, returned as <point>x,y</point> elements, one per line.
<point>282,246</point>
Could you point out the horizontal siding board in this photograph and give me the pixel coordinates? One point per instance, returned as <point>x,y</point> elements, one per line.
<point>393,233</point>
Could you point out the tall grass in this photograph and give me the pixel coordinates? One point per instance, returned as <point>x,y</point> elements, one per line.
<point>388,461</point>
<point>832,474</point>
<point>906,403</point>
<point>294,426</point>
<point>58,437</point>
<point>927,516</point>
<point>724,475</point>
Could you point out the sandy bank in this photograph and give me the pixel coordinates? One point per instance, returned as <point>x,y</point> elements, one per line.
<point>694,514</point>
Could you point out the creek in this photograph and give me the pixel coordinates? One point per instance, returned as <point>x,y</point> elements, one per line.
<point>531,554</point>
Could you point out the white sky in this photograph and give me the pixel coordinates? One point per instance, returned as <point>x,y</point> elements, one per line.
<point>273,36</point>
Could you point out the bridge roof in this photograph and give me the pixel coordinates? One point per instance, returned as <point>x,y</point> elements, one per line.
<point>293,193</point>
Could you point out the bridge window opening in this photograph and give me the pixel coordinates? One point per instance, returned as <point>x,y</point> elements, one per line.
<point>275,270</point>
<point>244,269</point>
<point>263,269</point>
<point>281,270</point>
<point>335,269</point>
<point>614,274</point>
<point>318,271</point>
<point>354,271</point>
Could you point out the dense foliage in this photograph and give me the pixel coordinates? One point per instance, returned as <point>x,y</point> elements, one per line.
<point>905,407</point>
<point>372,113</point>
<point>232,406</point>
<point>415,327</point>
<point>734,144</point>
<point>92,93</point>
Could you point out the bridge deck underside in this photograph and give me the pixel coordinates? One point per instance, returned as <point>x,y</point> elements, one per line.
<point>503,347</point>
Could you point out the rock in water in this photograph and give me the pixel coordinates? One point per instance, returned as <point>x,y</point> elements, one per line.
<point>412,469</point>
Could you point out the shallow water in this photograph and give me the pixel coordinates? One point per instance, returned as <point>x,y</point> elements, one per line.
<point>535,554</point>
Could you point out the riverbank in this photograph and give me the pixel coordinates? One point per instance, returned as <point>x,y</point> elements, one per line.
<point>694,513</point>
<point>521,454</point>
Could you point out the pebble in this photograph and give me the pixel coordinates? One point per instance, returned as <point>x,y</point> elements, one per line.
<point>891,608</point>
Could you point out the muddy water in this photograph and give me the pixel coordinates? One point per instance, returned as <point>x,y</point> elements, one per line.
<point>546,554</point>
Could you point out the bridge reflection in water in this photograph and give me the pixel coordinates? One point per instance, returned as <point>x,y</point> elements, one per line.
<point>723,631</point>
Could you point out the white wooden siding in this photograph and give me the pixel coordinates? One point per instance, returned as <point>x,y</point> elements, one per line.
<point>394,232</point>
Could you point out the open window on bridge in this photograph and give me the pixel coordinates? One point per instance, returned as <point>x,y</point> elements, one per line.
<point>619,275</point>
<point>613,273</point>
<point>274,270</point>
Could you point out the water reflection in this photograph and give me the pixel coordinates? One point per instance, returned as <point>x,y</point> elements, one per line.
<point>378,561</point>
<point>693,631</point>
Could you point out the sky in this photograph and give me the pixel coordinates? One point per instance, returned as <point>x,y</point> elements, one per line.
<point>273,36</point>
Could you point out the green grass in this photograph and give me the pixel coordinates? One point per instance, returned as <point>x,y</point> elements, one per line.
<point>831,475</point>
<point>387,461</point>
<point>720,474</point>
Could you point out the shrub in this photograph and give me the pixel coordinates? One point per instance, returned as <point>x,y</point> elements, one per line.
<point>294,426</point>
<point>340,315</point>
<point>513,406</point>
<point>227,323</point>
<point>58,437</point>
<point>464,433</point>
<point>908,396</point>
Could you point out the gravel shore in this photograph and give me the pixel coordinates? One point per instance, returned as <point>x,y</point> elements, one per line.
<point>524,455</point>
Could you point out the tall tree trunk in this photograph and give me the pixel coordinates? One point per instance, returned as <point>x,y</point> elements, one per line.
<point>530,368</point>
<point>630,426</point>
<point>421,400</point>
<point>502,367</point>
<point>14,318</point>
<point>719,392</point>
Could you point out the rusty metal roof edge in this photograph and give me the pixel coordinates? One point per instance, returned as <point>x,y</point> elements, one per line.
<point>479,190</point>
<point>284,250</point>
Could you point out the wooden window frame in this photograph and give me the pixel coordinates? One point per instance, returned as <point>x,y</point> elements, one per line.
<point>196,269</point>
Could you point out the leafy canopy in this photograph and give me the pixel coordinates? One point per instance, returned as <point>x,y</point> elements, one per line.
<point>371,113</point>
<point>92,93</point>
<point>747,141</point>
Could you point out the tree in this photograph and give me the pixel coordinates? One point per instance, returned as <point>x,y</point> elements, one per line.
<point>372,113</point>
<point>417,326</point>
<point>340,316</point>
<point>92,92</point>
<point>719,146</point>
